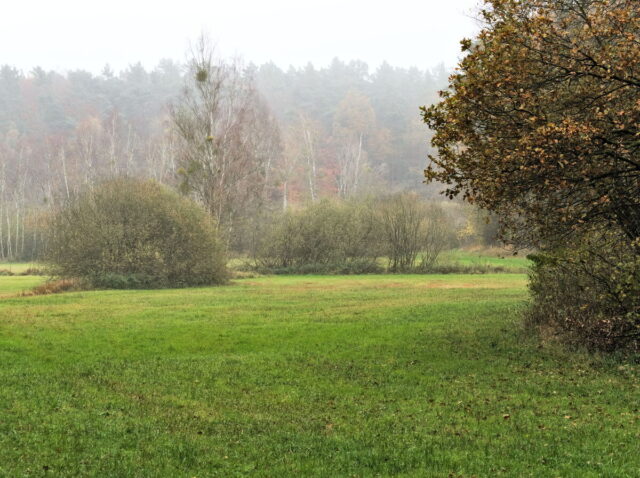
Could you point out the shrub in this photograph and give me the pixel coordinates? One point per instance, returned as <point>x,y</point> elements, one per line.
<point>589,293</point>
<point>348,237</point>
<point>322,238</point>
<point>457,268</point>
<point>127,233</point>
<point>31,271</point>
<point>410,227</point>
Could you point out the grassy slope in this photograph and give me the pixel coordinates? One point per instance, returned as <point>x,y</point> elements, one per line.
<point>299,376</point>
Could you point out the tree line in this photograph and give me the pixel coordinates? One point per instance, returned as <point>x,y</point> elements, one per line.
<point>297,135</point>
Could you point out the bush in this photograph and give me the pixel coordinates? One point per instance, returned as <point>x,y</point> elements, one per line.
<point>127,233</point>
<point>589,294</point>
<point>31,271</point>
<point>326,237</point>
<point>348,237</point>
<point>457,268</point>
<point>410,227</point>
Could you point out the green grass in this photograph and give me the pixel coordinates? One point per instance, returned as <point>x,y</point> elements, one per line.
<point>11,285</point>
<point>489,259</point>
<point>459,261</point>
<point>426,376</point>
<point>18,267</point>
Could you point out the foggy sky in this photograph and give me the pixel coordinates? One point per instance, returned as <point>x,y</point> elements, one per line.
<point>87,34</point>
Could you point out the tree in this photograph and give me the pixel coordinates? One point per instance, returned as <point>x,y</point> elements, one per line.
<point>227,137</point>
<point>354,121</point>
<point>541,124</point>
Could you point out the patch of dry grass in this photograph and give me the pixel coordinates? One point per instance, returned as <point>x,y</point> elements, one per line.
<point>55,287</point>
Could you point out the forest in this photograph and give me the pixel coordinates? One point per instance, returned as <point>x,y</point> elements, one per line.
<point>332,132</point>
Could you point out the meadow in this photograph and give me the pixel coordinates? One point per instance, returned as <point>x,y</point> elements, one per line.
<point>489,260</point>
<point>17,267</point>
<point>459,261</point>
<point>378,375</point>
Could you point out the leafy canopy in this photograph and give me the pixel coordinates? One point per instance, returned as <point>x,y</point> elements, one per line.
<point>541,122</point>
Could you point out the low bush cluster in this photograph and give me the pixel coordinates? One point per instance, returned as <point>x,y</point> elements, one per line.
<point>352,267</point>
<point>323,237</point>
<point>456,268</point>
<point>412,229</point>
<point>351,237</point>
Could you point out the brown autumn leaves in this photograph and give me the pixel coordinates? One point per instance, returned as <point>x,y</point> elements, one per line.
<point>541,124</point>
<point>542,120</point>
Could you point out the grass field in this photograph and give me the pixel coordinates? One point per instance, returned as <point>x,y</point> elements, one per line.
<point>469,258</point>
<point>458,260</point>
<point>12,285</point>
<point>426,376</point>
<point>17,267</point>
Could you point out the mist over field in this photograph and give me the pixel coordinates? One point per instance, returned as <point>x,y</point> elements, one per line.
<point>339,111</point>
<point>73,34</point>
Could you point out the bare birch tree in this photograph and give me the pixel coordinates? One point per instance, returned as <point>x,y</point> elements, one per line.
<point>353,123</point>
<point>222,159</point>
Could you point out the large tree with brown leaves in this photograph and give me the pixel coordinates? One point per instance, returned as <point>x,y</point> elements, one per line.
<point>542,119</point>
<point>541,124</point>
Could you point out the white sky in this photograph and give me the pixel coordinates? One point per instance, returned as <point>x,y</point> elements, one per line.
<point>87,34</point>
